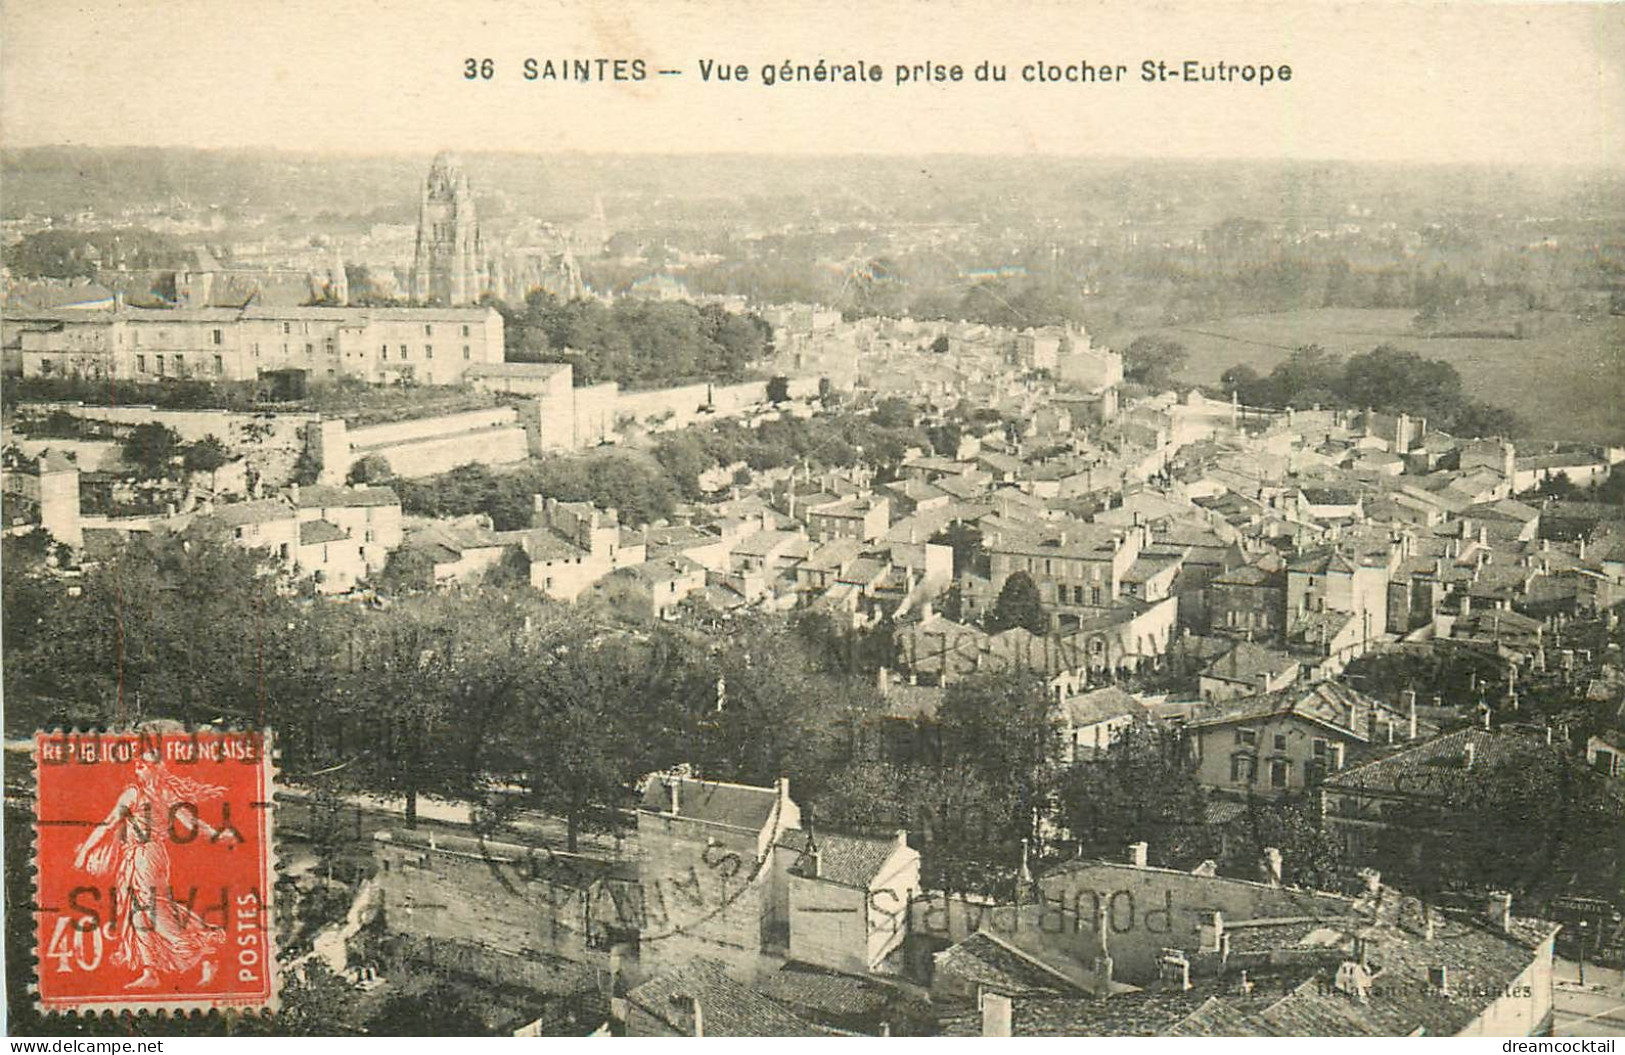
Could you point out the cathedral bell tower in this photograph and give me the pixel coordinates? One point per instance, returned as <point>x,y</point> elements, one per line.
<point>447,268</point>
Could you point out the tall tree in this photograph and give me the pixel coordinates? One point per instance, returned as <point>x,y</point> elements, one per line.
<point>1144,790</point>
<point>152,449</point>
<point>1019,604</point>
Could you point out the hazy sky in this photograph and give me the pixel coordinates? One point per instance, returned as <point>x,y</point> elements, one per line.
<point>1375,80</point>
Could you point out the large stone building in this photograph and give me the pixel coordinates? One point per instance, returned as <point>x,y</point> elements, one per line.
<point>317,344</point>
<point>448,266</point>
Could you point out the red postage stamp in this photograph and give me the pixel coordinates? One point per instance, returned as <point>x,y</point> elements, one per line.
<point>154,870</point>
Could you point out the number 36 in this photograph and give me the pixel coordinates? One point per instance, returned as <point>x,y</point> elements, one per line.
<point>479,69</point>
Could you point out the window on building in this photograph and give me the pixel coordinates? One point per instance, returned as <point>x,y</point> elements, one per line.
<point>1318,747</point>
<point>180,363</point>
<point>428,351</point>
<point>1280,741</point>
<point>1278,772</point>
<point>383,351</point>
<point>287,328</point>
<point>218,336</point>
<point>466,331</point>
<point>403,351</point>
<point>135,338</point>
<point>331,346</point>
<point>256,349</point>
<point>219,365</point>
<point>1094,595</point>
<point>428,330</point>
<point>1249,737</point>
<point>140,364</point>
<point>159,361</point>
<point>1242,769</point>
<point>466,354</point>
<point>310,349</point>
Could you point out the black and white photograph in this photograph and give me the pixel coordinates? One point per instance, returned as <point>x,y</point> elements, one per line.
<point>813,519</point>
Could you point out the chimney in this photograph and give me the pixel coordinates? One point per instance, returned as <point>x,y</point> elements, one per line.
<point>1272,865</point>
<point>1466,605</point>
<point>1212,931</point>
<point>1353,981</point>
<point>1469,753</point>
<point>1410,706</point>
<point>699,1017</point>
<point>1174,969</point>
<point>672,787</point>
<point>882,680</point>
<point>1582,547</point>
<point>995,1013</point>
<point>812,861</point>
<point>1498,908</point>
<point>1137,854</point>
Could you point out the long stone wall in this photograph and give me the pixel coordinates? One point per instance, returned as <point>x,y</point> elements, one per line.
<point>500,435</point>
<point>397,432</point>
<point>437,454</point>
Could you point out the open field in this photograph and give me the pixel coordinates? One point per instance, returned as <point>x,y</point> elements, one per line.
<point>1568,382</point>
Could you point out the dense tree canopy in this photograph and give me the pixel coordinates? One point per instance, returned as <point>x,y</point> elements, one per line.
<point>636,343</point>
<point>1144,790</point>
<point>1385,378</point>
<point>1154,362</point>
<point>624,481</point>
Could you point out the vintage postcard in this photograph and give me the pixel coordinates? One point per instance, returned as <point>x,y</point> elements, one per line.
<point>822,519</point>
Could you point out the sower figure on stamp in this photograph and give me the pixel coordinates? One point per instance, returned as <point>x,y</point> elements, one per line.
<point>157,935</point>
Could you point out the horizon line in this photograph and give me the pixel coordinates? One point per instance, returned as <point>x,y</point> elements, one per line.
<point>1547,164</point>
